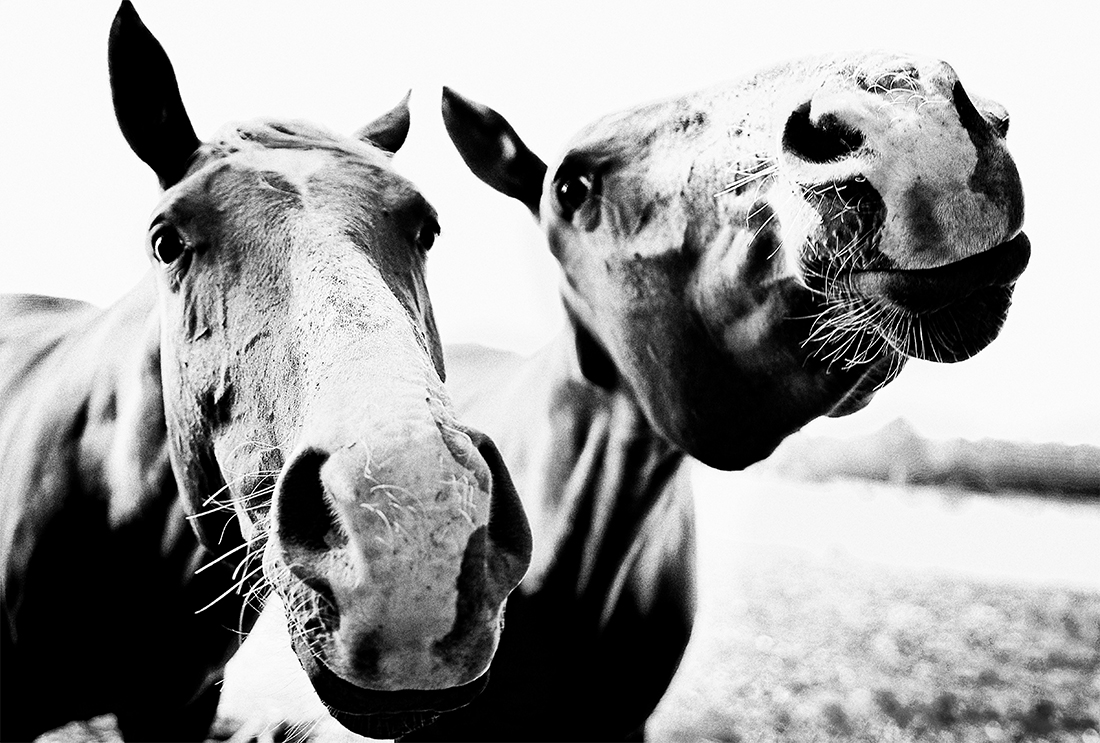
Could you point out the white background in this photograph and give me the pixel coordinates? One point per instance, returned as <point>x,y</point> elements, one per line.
<point>74,202</point>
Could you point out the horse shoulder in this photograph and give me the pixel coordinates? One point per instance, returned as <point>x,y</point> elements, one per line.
<point>66,370</point>
<point>31,329</point>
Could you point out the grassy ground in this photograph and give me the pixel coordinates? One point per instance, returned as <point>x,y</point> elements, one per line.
<point>798,639</point>
<point>805,649</point>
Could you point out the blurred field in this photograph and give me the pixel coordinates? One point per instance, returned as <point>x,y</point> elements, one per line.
<point>857,612</point>
<point>851,611</point>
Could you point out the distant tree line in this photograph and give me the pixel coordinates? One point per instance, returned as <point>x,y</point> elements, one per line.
<point>898,454</point>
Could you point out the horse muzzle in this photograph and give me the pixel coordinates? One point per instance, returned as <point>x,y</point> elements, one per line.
<point>394,556</point>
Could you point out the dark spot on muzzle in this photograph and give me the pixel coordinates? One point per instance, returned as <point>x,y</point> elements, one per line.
<point>972,121</point>
<point>689,121</point>
<point>494,562</point>
<point>995,175</point>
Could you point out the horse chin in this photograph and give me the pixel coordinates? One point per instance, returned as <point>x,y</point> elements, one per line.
<point>952,333</point>
<point>875,376</point>
<point>380,714</point>
<point>948,313</point>
<point>374,713</point>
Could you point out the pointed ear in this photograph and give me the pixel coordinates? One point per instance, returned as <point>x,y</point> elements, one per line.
<point>389,130</point>
<point>147,100</point>
<point>493,150</point>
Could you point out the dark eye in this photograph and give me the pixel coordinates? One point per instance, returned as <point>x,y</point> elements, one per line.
<point>425,238</point>
<point>572,191</point>
<point>168,245</point>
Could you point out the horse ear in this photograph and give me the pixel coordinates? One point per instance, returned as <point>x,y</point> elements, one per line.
<point>389,130</point>
<point>493,150</point>
<point>147,100</point>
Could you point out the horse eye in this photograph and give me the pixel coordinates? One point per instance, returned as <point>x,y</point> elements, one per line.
<point>168,245</point>
<point>425,239</point>
<point>571,193</point>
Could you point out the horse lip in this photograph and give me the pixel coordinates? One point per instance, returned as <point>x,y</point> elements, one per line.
<point>381,714</point>
<point>930,289</point>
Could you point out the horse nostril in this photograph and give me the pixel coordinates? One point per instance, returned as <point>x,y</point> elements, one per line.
<point>304,518</point>
<point>823,141</point>
<point>507,530</point>
<point>977,120</point>
<point>999,121</point>
<point>508,527</point>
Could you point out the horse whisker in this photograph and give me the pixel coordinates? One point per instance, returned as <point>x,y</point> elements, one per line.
<point>215,561</point>
<point>236,587</point>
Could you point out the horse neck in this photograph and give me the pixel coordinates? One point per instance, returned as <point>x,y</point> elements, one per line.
<point>82,422</point>
<point>89,505</point>
<point>126,439</point>
<point>589,467</point>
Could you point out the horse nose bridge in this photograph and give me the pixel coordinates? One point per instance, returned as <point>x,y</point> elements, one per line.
<point>402,490</point>
<point>394,494</point>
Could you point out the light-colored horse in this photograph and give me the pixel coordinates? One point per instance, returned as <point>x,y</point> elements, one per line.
<point>736,262</point>
<point>269,399</point>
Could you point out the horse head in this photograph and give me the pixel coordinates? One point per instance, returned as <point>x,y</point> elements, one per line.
<point>303,393</point>
<point>749,257</point>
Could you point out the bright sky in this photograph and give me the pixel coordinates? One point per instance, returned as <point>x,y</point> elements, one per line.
<point>74,202</point>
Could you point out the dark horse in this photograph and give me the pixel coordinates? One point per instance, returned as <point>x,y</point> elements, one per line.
<point>736,263</point>
<point>268,399</point>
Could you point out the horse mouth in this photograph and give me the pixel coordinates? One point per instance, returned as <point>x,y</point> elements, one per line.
<point>373,713</point>
<point>380,714</point>
<point>947,313</point>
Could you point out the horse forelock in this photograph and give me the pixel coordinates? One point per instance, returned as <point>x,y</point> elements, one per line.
<point>275,174</point>
<point>291,134</point>
<point>258,144</point>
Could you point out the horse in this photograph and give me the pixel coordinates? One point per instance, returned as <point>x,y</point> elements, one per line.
<point>736,262</point>
<point>265,409</point>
